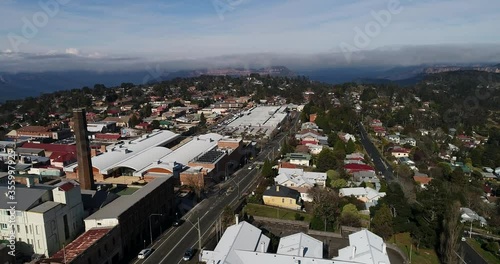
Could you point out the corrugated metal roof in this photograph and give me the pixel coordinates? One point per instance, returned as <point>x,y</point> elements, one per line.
<point>44,207</point>
<point>80,244</point>
<point>187,152</point>
<point>124,155</point>
<point>300,245</point>
<point>365,247</point>
<point>114,209</point>
<point>26,197</point>
<point>242,236</point>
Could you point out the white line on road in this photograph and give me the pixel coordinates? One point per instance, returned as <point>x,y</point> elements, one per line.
<point>180,240</point>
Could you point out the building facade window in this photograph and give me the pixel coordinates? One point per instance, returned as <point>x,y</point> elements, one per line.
<point>3,226</point>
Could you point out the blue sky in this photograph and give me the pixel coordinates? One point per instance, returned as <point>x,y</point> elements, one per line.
<point>194,29</point>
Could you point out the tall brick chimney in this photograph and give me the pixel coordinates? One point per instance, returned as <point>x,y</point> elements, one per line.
<point>85,174</point>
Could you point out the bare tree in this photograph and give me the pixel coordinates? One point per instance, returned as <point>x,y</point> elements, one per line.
<point>196,182</point>
<point>325,203</point>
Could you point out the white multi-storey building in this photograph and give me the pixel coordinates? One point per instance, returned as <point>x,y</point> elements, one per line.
<point>47,217</point>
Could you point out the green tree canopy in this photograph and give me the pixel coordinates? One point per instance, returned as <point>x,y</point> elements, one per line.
<point>339,183</point>
<point>155,124</point>
<point>349,209</point>
<point>267,169</point>
<point>351,147</point>
<point>326,160</point>
<point>203,120</point>
<point>382,222</point>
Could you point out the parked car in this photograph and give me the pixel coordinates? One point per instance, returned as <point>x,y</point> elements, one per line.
<point>144,253</point>
<point>188,254</point>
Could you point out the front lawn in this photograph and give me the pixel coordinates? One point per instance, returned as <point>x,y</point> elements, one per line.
<point>274,212</point>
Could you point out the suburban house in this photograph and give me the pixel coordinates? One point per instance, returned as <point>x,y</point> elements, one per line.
<point>379,131</point>
<point>467,215</point>
<point>394,139</point>
<point>352,168</point>
<point>315,149</point>
<point>308,136</point>
<point>300,159</point>
<point>422,179</point>
<point>376,123</point>
<point>121,121</point>
<point>281,196</point>
<point>345,137</point>
<point>310,126</point>
<point>410,141</point>
<point>143,126</point>
<point>300,181</point>
<point>355,156</point>
<point>400,152</point>
<point>291,176</point>
<point>365,176</point>
<point>424,132</point>
<point>367,195</point>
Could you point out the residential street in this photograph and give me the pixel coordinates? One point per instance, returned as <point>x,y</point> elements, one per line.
<point>373,152</point>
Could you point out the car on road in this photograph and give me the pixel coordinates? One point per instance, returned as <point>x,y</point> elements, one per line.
<point>145,253</point>
<point>177,222</point>
<point>249,167</point>
<point>188,254</point>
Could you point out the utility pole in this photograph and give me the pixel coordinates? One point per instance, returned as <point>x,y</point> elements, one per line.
<point>411,249</point>
<point>199,234</point>
<point>64,253</point>
<point>470,232</point>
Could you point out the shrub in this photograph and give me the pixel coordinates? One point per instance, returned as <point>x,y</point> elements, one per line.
<point>299,217</point>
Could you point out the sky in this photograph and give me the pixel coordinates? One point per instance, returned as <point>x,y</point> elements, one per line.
<point>123,34</point>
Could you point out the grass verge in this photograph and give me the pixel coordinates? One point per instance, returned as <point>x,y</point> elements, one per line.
<point>423,256</point>
<point>488,256</point>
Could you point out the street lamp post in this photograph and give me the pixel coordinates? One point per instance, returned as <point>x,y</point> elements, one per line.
<point>197,226</point>
<point>237,185</point>
<point>150,229</point>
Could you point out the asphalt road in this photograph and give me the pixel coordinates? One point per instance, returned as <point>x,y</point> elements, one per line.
<point>375,155</point>
<point>170,247</point>
<point>470,256</point>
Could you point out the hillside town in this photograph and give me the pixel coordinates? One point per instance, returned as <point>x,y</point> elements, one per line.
<point>244,170</point>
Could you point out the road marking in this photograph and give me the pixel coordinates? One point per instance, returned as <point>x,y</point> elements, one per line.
<point>189,231</point>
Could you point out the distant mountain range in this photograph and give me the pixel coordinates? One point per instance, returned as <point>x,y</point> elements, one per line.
<point>272,71</point>
<point>20,85</point>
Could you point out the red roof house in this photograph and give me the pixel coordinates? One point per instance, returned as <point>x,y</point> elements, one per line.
<point>353,167</point>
